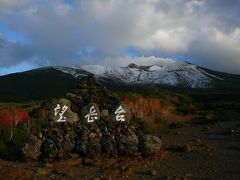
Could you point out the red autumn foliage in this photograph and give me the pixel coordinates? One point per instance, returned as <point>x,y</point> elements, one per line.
<point>24,116</point>
<point>5,117</point>
<point>10,117</point>
<point>144,107</point>
<point>154,115</point>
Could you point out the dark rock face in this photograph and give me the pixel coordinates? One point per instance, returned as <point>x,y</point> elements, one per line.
<point>132,65</point>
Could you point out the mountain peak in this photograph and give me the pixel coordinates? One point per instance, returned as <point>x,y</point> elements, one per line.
<point>132,65</point>
<point>167,72</point>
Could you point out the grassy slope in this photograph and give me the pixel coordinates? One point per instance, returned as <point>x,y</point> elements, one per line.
<point>231,81</point>
<point>35,84</point>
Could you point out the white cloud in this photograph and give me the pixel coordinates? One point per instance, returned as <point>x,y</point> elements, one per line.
<point>63,9</point>
<point>141,61</point>
<point>12,3</point>
<point>58,30</point>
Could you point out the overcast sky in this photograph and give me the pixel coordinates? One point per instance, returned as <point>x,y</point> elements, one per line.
<point>35,33</point>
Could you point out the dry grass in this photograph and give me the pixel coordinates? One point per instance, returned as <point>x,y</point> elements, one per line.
<point>165,118</point>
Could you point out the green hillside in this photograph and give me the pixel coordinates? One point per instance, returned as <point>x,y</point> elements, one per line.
<point>35,84</point>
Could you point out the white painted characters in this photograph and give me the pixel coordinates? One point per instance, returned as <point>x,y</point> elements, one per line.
<point>60,111</point>
<point>92,115</point>
<point>120,114</point>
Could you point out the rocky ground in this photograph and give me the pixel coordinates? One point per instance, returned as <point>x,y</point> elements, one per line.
<point>209,151</point>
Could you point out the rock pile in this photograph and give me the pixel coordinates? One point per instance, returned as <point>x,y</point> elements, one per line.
<point>91,91</point>
<point>92,122</point>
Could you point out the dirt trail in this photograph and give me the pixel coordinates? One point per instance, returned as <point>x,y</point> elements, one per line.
<point>210,151</point>
<point>203,152</point>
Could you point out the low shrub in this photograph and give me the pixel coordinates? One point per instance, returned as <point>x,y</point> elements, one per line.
<point>39,123</point>
<point>139,122</point>
<point>20,136</point>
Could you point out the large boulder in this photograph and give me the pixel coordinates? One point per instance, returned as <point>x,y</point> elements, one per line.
<point>63,102</point>
<point>90,113</point>
<point>128,144</point>
<point>121,113</point>
<point>63,106</point>
<point>150,145</point>
<point>31,150</point>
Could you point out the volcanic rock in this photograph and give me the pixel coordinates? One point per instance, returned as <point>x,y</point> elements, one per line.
<point>109,145</point>
<point>50,149</point>
<point>121,113</point>
<point>96,132</point>
<point>132,65</point>
<point>68,115</point>
<point>91,91</point>
<point>66,147</point>
<point>32,148</point>
<point>128,144</point>
<point>150,145</point>
<point>104,113</point>
<point>90,113</point>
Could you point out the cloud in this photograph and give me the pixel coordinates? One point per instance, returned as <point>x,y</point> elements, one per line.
<point>142,60</point>
<point>24,66</point>
<point>220,52</point>
<point>62,32</point>
<point>12,53</point>
<point>13,3</point>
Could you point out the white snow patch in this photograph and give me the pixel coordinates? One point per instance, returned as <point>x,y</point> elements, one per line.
<point>211,74</point>
<point>95,69</point>
<point>155,68</point>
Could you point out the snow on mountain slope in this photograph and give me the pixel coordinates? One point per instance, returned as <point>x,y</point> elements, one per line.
<point>175,74</point>
<point>155,68</point>
<point>75,72</point>
<point>172,73</point>
<point>95,69</point>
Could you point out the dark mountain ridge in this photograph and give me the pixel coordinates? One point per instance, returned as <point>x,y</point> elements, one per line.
<point>53,82</point>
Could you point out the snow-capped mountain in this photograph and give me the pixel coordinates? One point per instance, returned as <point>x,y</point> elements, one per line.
<point>172,73</point>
